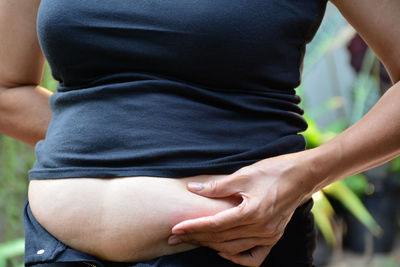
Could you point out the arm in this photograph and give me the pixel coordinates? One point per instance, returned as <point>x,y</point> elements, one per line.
<point>24,109</point>
<point>372,141</point>
<point>288,180</point>
<point>375,139</point>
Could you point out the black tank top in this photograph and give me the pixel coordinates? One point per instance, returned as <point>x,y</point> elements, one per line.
<point>172,88</point>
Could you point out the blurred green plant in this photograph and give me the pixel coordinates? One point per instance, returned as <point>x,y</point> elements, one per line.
<point>16,159</point>
<point>10,250</point>
<point>365,92</point>
<point>344,192</point>
<point>395,166</point>
<point>48,80</point>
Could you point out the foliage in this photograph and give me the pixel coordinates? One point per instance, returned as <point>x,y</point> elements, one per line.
<point>340,190</point>
<point>395,167</point>
<point>364,94</point>
<point>324,216</point>
<point>47,81</point>
<point>16,159</point>
<point>10,250</point>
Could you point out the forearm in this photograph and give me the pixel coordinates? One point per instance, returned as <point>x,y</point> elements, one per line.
<point>370,142</point>
<point>25,113</point>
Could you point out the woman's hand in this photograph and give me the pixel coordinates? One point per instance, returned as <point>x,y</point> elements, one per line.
<point>273,188</point>
<point>270,189</point>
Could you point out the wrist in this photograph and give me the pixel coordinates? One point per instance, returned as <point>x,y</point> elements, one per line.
<point>320,163</point>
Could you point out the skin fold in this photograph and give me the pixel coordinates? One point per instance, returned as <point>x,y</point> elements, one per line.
<point>121,219</point>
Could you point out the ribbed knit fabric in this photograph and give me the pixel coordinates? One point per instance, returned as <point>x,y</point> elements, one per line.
<point>171,89</point>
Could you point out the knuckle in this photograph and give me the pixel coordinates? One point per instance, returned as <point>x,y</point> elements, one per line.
<point>249,213</point>
<point>245,214</point>
<point>255,212</point>
<point>243,174</point>
<point>275,232</point>
<point>272,230</point>
<point>255,216</point>
<point>268,231</point>
<point>248,218</point>
<point>213,186</point>
<point>214,224</point>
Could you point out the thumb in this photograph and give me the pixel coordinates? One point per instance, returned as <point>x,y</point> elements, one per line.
<point>219,187</point>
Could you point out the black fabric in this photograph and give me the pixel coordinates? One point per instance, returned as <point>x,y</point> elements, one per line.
<point>172,89</point>
<point>61,264</point>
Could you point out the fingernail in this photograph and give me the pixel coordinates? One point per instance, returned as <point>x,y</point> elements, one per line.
<point>173,240</point>
<point>195,186</point>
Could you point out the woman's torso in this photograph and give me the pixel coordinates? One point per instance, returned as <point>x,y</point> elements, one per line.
<point>169,88</point>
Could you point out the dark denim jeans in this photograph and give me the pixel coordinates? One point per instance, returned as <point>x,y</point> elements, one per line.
<point>294,249</point>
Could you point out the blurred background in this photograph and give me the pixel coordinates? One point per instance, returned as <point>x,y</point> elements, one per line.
<point>357,219</point>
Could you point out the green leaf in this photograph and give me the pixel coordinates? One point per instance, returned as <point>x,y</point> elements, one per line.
<point>353,204</point>
<point>357,183</point>
<point>323,215</point>
<point>12,249</point>
<point>395,166</point>
<point>312,135</point>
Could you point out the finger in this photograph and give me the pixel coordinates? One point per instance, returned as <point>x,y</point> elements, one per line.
<point>234,247</point>
<point>224,236</point>
<point>243,231</point>
<point>221,221</point>
<point>254,257</point>
<point>218,188</point>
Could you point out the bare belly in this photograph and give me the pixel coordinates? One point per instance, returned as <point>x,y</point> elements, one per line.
<point>120,219</point>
